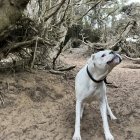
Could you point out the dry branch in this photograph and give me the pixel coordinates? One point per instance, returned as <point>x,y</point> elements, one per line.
<point>110,13</point>
<point>101,46</point>
<point>34,55</point>
<point>56,72</point>
<point>61,71</point>
<point>130,58</point>
<point>124,33</point>
<point>53,13</point>
<point>6,32</point>
<point>98,46</point>
<point>90,9</point>
<point>23,44</point>
<point>64,15</point>
<point>58,53</point>
<point>67,69</point>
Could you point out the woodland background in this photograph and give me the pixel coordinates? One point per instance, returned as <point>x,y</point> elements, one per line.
<point>33,33</point>
<point>41,41</point>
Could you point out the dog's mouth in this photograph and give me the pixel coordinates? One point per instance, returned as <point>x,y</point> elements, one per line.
<point>115,60</point>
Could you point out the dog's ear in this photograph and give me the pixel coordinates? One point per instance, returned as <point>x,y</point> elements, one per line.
<point>92,56</point>
<point>91,59</point>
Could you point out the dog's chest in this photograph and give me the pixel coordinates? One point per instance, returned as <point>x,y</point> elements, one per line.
<point>94,93</point>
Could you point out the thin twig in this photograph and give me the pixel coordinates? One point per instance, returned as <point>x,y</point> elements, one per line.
<point>90,9</point>
<point>34,55</point>
<point>110,13</point>
<point>53,13</point>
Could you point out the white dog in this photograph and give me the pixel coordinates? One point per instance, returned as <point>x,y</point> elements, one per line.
<point>89,83</point>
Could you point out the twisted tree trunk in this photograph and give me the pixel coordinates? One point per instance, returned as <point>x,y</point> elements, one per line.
<point>10,12</point>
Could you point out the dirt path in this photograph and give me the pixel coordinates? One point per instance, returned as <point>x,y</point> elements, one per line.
<point>41,106</point>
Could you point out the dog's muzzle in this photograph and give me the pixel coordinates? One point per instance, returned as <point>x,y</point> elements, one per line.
<point>115,60</point>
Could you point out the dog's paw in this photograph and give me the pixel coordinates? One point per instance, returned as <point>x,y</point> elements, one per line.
<point>76,137</point>
<point>113,117</point>
<point>109,137</point>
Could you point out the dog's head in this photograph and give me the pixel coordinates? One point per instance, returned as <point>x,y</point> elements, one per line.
<point>105,60</point>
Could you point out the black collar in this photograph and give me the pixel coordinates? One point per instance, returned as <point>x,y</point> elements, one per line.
<point>96,81</point>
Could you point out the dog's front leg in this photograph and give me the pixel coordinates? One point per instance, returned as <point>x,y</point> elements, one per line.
<point>77,135</point>
<point>109,110</point>
<point>103,109</point>
<point>82,110</point>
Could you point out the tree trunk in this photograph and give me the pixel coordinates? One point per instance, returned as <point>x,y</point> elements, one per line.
<point>10,12</point>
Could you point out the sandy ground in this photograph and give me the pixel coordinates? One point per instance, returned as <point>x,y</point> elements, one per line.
<point>41,106</point>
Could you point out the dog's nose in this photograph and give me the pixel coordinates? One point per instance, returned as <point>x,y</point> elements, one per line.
<point>111,52</point>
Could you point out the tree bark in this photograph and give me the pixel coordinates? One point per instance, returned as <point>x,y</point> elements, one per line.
<point>10,12</point>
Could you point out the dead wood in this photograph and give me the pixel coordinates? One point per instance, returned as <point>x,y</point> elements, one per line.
<point>55,11</point>
<point>67,69</point>
<point>124,34</point>
<point>56,72</point>
<point>61,46</point>
<point>137,60</point>
<point>112,85</point>
<point>90,9</point>
<point>25,44</point>
<point>10,12</point>
<point>64,15</point>
<point>119,44</point>
<point>61,71</point>
<point>34,54</point>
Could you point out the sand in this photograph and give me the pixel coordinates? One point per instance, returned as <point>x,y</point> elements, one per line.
<point>41,106</point>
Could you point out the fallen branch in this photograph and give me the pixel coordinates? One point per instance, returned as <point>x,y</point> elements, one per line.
<point>130,58</point>
<point>67,69</point>
<point>23,44</point>
<point>56,72</point>
<point>61,71</point>
<point>112,85</point>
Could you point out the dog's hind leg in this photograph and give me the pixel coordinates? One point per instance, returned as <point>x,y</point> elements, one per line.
<point>109,110</point>
<point>103,109</point>
<point>77,135</point>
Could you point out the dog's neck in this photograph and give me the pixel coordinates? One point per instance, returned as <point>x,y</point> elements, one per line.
<point>97,74</point>
<point>92,78</point>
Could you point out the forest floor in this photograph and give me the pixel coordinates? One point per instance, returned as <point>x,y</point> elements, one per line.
<point>41,106</point>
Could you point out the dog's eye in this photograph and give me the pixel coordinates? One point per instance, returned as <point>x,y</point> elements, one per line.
<point>103,55</point>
